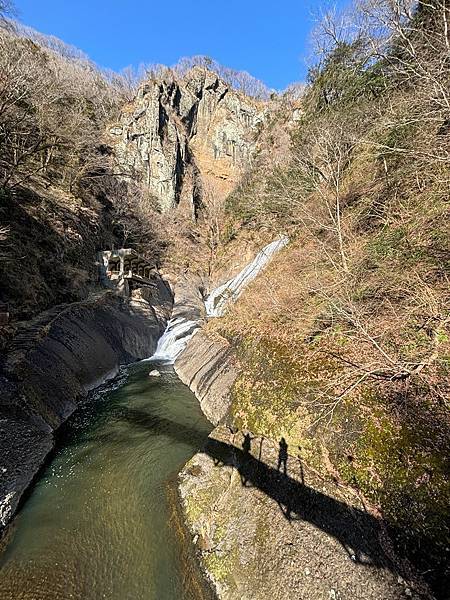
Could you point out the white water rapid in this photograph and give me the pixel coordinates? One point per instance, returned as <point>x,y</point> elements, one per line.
<point>173,341</point>
<point>180,329</point>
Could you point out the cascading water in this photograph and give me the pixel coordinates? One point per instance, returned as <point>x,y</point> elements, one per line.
<point>180,329</point>
<point>219,299</point>
<point>177,334</point>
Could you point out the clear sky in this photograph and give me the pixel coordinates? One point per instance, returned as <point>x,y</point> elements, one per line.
<point>268,39</point>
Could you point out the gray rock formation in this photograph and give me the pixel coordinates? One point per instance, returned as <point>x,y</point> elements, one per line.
<point>54,362</point>
<point>207,367</point>
<point>183,136</point>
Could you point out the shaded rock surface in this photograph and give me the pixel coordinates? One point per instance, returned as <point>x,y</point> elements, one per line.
<point>184,136</point>
<point>207,367</point>
<point>52,364</point>
<point>264,534</point>
<point>49,255</point>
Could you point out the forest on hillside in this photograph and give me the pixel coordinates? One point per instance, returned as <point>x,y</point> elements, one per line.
<point>349,330</point>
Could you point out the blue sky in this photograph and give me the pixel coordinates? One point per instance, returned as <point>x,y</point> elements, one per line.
<point>268,39</point>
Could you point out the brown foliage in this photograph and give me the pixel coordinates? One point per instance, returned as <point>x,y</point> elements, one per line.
<point>364,199</point>
<point>53,107</point>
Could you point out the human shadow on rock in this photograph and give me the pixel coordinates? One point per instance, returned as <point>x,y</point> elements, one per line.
<point>357,531</point>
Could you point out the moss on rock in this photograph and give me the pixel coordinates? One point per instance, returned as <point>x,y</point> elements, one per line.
<point>391,445</point>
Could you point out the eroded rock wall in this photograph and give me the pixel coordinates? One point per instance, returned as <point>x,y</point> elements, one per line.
<point>53,363</point>
<point>208,368</point>
<point>184,137</point>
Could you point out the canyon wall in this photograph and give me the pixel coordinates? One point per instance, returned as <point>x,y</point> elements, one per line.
<point>52,364</point>
<point>184,137</point>
<point>207,367</point>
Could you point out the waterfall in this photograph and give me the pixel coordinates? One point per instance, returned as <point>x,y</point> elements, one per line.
<point>173,341</point>
<point>180,329</point>
<point>218,300</point>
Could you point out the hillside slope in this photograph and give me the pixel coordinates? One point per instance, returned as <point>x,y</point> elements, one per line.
<point>343,343</point>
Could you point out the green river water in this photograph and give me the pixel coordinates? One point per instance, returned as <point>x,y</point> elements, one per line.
<point>98,521</point>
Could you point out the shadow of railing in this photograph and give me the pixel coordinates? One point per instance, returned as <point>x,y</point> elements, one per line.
<point>355,529</point>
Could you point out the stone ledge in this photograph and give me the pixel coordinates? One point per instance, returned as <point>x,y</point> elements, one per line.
<point>208,368</point>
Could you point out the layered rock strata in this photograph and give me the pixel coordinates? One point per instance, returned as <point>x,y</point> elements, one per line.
<point>53,363</point>
<point>207,367</point>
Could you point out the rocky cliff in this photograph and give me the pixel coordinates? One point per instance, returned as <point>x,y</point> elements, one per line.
<point>207,367</point>
<point>183,137</point>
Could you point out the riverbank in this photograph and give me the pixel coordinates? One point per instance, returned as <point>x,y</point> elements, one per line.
<point>54,361</point>
<point>264,522</point>
<point>207,367</point>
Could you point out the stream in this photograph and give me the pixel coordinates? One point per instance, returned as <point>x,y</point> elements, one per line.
<point>98,522</point>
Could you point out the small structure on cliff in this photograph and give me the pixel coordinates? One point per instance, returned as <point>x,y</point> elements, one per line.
<point>122,267</point>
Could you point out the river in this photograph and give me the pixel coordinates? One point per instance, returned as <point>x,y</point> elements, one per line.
<point>98,522</point>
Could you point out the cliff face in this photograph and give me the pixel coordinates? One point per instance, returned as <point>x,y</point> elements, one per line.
<point>207,367</point>
<point>185,137</point>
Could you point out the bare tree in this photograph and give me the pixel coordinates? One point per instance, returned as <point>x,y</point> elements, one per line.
<point>53,107</point>
<point>136,220</point>
<point>6,11</point>
<point>413,40</point>
<point>312,192</point>
<point>212,219</point>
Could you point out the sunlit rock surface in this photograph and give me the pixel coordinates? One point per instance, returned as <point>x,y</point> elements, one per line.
<point>184,138</point>
<point>207,367</point>
<point>271,528</point>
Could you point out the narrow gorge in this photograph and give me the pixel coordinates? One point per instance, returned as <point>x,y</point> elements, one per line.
<point>224,329</point>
